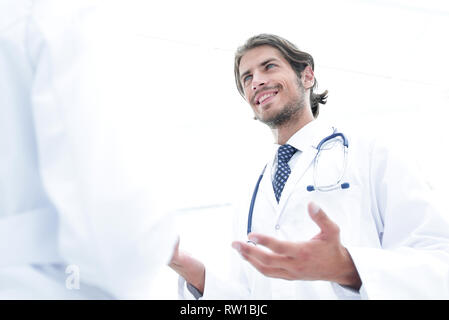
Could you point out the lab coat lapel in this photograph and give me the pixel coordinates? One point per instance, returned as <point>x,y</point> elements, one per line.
<point>305,161</point>
<point>267,186</point>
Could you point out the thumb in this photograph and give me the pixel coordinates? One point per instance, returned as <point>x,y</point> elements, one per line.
<point>327,226</point>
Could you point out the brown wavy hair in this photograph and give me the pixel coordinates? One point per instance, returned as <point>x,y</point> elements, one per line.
<point>297,59</point>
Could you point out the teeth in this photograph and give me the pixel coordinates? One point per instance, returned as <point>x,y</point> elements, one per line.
<point>266,96</point>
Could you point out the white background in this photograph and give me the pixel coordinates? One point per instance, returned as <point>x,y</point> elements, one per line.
<point>385,64</point>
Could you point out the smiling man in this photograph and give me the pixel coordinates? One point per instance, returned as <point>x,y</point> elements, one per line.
<point>276,93</point>
<point>338,216</point>
<point>262,82</point>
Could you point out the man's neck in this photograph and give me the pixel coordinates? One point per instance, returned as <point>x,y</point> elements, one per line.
<point>286,131</point>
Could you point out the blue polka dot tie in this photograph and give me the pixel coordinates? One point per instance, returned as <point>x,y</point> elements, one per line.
<point>285,153</point>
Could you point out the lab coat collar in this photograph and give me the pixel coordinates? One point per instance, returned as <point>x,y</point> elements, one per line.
<point>310,135</point>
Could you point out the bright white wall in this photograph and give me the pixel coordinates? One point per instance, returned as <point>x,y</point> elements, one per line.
<point>384,63</point>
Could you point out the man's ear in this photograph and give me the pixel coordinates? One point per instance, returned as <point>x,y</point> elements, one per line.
<point>308,78</point>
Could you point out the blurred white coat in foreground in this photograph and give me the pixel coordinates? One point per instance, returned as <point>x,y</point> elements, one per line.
<point>79,200</point>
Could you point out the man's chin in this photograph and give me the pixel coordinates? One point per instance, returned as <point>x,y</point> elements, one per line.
<point>268,116</point>
<point>279,119</point>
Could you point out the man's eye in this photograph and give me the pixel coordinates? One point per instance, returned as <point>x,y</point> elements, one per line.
<point>270,66</point>
<point>247,78</point>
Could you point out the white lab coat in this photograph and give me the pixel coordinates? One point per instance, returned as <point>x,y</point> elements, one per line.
<point>397,237</point>
<point>76,186</point>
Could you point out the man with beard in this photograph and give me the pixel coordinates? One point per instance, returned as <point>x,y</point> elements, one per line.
<point>340,217</point>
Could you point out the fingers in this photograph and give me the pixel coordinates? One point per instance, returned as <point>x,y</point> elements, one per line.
<point>269,264</point>
<point>327,226</point>
<point>275,245</point>
<point>265,257</point>
<point>273,272</point>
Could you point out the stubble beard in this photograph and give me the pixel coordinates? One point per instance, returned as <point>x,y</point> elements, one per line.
<point>291,111</point>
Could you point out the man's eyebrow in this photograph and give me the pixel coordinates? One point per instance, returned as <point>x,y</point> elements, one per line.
<point>267,61</point>
<point>260,65</point>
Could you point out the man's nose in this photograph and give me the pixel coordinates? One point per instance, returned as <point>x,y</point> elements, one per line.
<point>257,82</point>
<point>257,85</point>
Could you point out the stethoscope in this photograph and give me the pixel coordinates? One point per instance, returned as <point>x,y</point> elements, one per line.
<point>337,136</point>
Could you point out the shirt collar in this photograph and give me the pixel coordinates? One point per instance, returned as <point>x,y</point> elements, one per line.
<point>310,135</point>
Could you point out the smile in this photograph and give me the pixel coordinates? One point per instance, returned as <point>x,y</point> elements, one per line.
<point>265,97</point>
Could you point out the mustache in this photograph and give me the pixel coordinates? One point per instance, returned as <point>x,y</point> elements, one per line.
<point>253,99</point>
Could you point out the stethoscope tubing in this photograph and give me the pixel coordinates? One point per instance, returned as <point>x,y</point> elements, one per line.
<point>253,201</point>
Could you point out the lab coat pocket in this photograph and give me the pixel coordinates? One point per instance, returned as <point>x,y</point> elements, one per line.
<point>342,206</point>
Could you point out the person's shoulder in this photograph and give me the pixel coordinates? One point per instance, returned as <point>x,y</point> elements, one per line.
<point>369,134</point>
<point>359,136</point>
<point>382,145</point>
<point>373,143</point>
